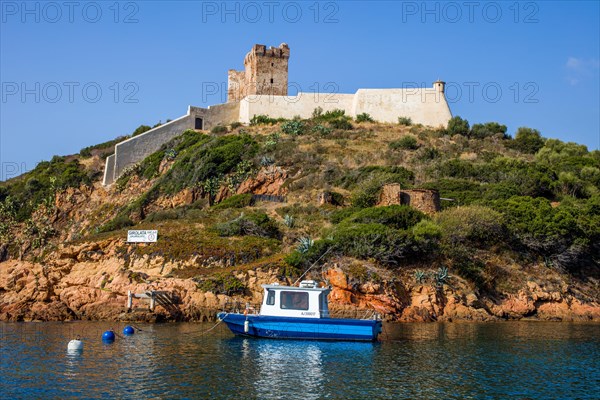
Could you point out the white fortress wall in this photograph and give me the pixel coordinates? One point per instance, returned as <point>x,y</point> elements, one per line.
<point>422,106</point>
<point>109,170</point>
<point>427,106</point>
<point>221,114</point>
<point>135,149</point>
<point>303,105</point>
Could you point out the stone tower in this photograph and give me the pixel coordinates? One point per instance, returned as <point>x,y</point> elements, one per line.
<point>265,72</point>
<point>439,86</point>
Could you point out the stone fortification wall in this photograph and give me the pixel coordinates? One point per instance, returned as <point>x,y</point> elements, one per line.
<point>301,105</point>
<point>427,106</point>
<point>109,170</point>
<point>221,114</point>
<point>135,149</point>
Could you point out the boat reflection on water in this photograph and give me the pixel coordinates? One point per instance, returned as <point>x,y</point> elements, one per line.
<point>301,368</point>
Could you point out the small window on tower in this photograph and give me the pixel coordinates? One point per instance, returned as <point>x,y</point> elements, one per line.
<point>272,64</point>
<point>271,80</point>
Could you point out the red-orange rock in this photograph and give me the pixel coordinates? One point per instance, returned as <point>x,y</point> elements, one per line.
<point>269,181</point>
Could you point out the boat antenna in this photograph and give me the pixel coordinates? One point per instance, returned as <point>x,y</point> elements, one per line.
<point>313,264</point>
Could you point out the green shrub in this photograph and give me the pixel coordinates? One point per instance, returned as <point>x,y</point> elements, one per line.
<point>362,273</point>
<point>382,174</point>
<point>480,131</point>
<point>263,120</point>
<point>408,142</point>
<point>535,217</point>
<point>294,127</point>
<point>319,115</point>
<point>208,158</point>
<point>474,225</point>
<point>458,126</point>
<point>317,251</point>
<point>119,222</point>
<point>40,184</point>
<point>367,194</point>
<point>149,167</point>
<point>338,216</point>
<point>140,129</point>
<point>406,121</point>
<point>462,191</point>
<point>375,241</point>
<point>428,154</point>
<point>254,224</point>
<point>526,140</point>
<point>341,123</point>
<point>236,201</point>
<point>163,215</point>
<point>364,117</point>
<point>566,236</point>
<point>427,235</point>
<point>395,216</point>
<point>317,112</point>
<point>109,148</point>
<point>222,284</point>
<point>236,124</point>
<point>218,129</point>
<point>457,168</point>
<point>321,130</point>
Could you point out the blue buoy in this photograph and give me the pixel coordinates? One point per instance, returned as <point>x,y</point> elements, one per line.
<point>128,330</point>
<point>108,336</point>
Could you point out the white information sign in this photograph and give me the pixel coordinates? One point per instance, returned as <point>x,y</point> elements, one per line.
<point>142,236</point>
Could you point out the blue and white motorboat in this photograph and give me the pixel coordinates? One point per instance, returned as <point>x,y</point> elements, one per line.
<point>290,312</point>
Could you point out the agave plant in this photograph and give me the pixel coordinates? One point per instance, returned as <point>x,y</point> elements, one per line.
<point>441,276</point>
<point>170,154</point>
<point>420,276</point>
<point>288,221</point>
<point>305,243</point>
<point>265,161</point>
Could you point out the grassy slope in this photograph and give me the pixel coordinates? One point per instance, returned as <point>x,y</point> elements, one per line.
<point>490,244</point>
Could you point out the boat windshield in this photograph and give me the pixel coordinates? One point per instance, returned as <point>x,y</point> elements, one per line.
<point>270,297</point>
<point>294,300</point>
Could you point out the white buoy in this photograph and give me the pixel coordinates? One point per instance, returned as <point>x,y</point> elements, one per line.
<point>246,326</point>
<point>75,345</point>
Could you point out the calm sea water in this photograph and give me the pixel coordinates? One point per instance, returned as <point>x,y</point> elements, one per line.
<point>521,360</point>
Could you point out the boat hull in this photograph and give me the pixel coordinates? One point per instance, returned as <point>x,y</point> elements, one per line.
<point>302,328</point>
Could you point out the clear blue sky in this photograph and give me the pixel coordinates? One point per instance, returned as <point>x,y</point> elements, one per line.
<point>543,56</point>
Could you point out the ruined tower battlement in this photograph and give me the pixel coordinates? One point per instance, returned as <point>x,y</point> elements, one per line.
<point>265,72</point>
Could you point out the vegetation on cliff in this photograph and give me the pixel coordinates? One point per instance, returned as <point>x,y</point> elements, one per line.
<point>513,202</point>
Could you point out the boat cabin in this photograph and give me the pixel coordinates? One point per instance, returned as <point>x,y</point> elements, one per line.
<point>306,301</point>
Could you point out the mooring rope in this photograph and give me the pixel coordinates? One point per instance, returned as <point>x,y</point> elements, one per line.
<point>217,324</point>
<point>313,264</point>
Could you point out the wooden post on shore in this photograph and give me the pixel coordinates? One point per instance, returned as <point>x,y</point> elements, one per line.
<point>152,301</point>
<point>129,300</point>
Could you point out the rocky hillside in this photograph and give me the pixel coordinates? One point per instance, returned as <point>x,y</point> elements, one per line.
<point>516,233</point>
